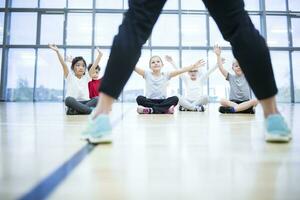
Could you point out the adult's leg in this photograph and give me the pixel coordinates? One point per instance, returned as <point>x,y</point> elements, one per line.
<point>126,49</point>
<point>237,28</point>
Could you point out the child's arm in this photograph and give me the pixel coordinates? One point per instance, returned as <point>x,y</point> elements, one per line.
<point>210,71</point>
<point>96,63</point>
<point>196,65</point>
<point>217,51</point>
<point>61,60</point>
<point>140,71</point>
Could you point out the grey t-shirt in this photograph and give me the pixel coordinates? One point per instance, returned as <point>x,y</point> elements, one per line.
<point>239,88</point>
<point>156,86</point>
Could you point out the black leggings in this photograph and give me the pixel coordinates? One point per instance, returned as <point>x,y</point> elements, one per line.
<point>159,106</point>
<point>248,46</point>
<point>81,107</point>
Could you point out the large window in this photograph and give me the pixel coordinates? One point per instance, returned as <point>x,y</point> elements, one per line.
<point>24,4</point>
<point>79,29</point>
<point>296,72</point>
<point>106,28</point>
<point>52,29</point>
<point>251,5</point>
<point>49,78</point>
<point>111,4</point>
<point>0,63</point>
<point>277,34</point>
<point>166,31</point>
<point>294,5</point>
<point>184,31</point>
<point>281,66</point>
<point>193,30</point>
<point>1,27</point>
<point>23,28</point>
<point>296,31</point>
<point>20,74</point>
<point>275,5</point>
<point>80,3</point>
<point>53,3</point>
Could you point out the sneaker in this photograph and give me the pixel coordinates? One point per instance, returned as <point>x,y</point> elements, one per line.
<point>200,108</point>
<point>181,108</point>
<point>223,109</point>
<point>143,110</point>
<point>277,129</point>
<point>84,134</point>
<point>171,110</point>
<point>71,111</point>
<point>98,130</point>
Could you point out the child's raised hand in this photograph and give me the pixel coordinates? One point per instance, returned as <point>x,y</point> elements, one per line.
<point>217,50</point>
<point>199,63</point>
<point>169,59</point>
<point>99,51</point>
<point>53,47</point>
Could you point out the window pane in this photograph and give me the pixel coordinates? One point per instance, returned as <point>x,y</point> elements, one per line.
<point>166,30</point>
<point>2,4</point>
<point>79,29</point>
<point>106,28</point>
<point>171,5</point>
<point>280,61</point>
<point>80,3</point>
<point>20,74</point>
<point>277,31</point>
<point>190,57</point>
<point>251,4</point>
<point>218,86</point>
<point>275,5</point>
<point>296,31</point>
<point>296,72</point>
<point>173,86</point>
<point>53,3</point>
<point>54,23</point>
<point>24,4</point>
<point>49,78</point>
<point>136,84</point>
<point>192,5</point>
<point>23,28</point>
<point>1,27</point>
<point>111,4</point>
<point>0,63</point>
<point>294,5</point>
<point>215,35</point>
<point>193,31</point>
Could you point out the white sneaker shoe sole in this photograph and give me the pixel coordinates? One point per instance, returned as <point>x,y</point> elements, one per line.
<point>106,139</point>
<point>277,138</point>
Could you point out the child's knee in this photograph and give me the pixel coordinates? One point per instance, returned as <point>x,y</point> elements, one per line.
<point>69,100</point>
<point>140,99</point>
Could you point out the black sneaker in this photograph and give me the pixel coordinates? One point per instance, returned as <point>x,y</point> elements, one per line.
<point>182,108</point>
<point>200,108</point>
<point>223,109</point>
<point>71,111</point>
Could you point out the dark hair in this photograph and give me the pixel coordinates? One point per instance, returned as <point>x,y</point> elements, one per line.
<point>90,65</point>
<point>75,60</point>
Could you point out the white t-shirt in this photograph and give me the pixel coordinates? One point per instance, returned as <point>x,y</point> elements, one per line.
<point>78,87</point>
<point>156,86</point>
<point>194,88</point>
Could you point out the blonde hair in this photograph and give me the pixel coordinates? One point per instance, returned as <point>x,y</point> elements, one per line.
<point>154,57</point>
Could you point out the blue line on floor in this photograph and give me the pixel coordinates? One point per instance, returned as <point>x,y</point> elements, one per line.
<point>43,189</point>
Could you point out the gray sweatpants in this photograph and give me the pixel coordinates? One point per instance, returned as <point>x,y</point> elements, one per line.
<point>81,107</point>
